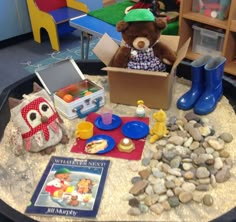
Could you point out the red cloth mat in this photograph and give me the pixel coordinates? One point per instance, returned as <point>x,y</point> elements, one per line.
<point>117,135</point>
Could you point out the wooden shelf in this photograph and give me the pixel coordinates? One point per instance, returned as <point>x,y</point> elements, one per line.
<point>191,55</point>
<point>231,68</point>
<point>193,16</point>
<point>233,26</point>
<point>187,18</point>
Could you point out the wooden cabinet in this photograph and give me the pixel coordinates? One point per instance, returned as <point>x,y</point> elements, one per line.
<point>187,18</point>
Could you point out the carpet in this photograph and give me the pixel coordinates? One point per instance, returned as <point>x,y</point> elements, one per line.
<point>68,53</point>
<point>116,10</point>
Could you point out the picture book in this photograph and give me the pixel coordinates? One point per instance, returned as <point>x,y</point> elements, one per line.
<point>70,187</point>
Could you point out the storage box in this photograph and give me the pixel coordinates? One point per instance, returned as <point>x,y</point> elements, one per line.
<point>206,41</point>
<point>213,8</point>
<point>128,85</point>
<point>59,77</point>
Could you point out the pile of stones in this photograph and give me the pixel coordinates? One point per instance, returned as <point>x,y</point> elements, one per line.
<point>186,164</point>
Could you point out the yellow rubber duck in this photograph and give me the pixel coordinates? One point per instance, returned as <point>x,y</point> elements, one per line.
<point>159,129</point>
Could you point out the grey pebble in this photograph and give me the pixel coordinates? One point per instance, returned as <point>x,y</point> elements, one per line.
<point>227,137</point>
<point>173,201</point>
<point>134,211</point>
<point>182,166</point>
<point>135,179</point>
<point>208,200</point>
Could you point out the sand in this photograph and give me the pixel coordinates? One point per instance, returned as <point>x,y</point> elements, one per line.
<point>21,174</point>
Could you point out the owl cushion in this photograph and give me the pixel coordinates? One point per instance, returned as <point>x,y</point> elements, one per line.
<point>37,120</point>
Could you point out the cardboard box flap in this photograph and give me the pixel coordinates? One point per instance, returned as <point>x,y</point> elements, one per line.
<point>58,75</point>
<point>171,40</point>
<point>181,53</point>
<point>134,71</point>
<point>105,49</point>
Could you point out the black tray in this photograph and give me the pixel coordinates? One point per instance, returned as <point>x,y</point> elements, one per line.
<point>25,86</point>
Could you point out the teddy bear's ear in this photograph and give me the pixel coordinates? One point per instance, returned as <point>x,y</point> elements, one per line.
<point>160,23</point>
<point>121,26</point>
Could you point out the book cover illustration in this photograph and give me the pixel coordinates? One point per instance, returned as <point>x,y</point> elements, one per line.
<point>70,187</point>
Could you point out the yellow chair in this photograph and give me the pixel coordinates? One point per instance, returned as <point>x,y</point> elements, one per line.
<point>50,14</point>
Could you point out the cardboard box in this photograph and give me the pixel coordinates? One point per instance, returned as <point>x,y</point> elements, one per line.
<point>58,76</point>
<point>128,85</point>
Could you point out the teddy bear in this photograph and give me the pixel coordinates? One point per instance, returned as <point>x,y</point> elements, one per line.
<point>159,129</point>
<point>74,200</point>
<point>142,48</point>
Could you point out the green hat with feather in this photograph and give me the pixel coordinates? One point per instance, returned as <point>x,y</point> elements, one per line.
<point>138,15</point>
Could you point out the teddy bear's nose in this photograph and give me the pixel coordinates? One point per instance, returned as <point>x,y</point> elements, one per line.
<point>141,44</point>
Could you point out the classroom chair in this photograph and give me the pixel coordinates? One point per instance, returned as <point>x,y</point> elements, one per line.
<point>53,16</point>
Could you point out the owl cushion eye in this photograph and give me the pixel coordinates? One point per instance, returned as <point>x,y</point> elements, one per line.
<point>33,118</point>
<point>45,109</point>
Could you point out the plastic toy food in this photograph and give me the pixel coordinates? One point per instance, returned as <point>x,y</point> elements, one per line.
<point>68,98</point>
<point>126,145</point>
<point>72,88</point>
<point>76,90</point>
<point>96,146</point>
<point>88,93</point>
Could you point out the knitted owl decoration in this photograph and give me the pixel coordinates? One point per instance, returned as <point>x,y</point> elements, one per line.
<point>38,122</point>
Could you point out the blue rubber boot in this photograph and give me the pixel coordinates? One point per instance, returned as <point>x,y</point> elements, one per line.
<point>214,71</point>
<point>188,100</point>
